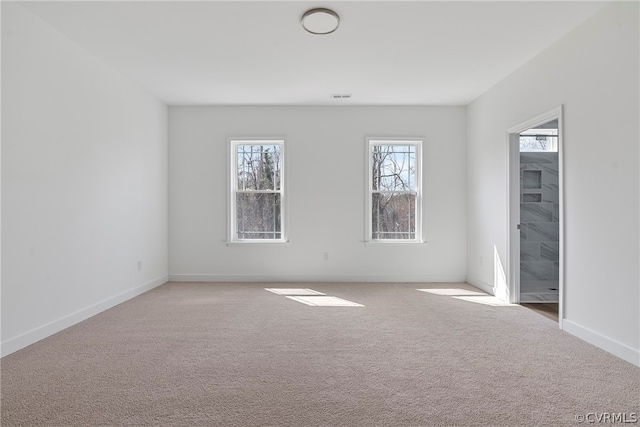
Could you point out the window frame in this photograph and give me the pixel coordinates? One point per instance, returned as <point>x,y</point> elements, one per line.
<point>418,143</point>
<point>232,231</point>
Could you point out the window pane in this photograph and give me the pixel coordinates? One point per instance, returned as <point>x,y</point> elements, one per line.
<point>258,216</point>
<point>393,167</point>
<point>393,216</point>
<point>259,167</point>
<point>538,143</point>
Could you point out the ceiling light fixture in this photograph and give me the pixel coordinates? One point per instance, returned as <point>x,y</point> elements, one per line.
<point>320,21</point>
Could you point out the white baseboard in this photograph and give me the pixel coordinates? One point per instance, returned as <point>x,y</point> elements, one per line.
<point>616,348</point>
<point>310,278</point>
<point>14,344</point>
<point>483,286</point>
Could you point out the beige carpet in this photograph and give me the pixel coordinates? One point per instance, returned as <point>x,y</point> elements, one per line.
<point>196,354</point>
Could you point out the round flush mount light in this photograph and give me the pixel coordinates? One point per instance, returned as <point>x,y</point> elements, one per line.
<point>320,21</point>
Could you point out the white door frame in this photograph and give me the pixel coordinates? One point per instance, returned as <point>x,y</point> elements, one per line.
<point>513,204</point>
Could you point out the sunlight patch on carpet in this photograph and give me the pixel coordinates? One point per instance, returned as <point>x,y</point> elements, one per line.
<point>324,301</point>
<point>469,295</point>
<point>486,300</point>
<point>293,291</point>
<point>451,292</point>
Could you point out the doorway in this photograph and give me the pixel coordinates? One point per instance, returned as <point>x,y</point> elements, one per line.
<point>536,211</point>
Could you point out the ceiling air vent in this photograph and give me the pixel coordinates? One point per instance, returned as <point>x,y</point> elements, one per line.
<point>341,96</point>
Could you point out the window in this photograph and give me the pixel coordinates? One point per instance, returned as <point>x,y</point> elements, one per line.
<point>394,191</point>
<point>257,191</point>
<point>541,138</point>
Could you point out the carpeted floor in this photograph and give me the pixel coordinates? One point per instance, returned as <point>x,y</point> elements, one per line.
<point>198,354</point>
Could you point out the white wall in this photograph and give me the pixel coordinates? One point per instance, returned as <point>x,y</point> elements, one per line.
<point>84,183</point>
<point>326,158</point>
<point>593,72</point>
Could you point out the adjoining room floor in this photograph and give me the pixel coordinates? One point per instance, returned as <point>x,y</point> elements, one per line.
<point>547,309</point>
<point>236,354</point>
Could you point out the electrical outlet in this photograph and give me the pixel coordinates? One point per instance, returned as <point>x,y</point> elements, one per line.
<point>139,265</point>
<point>325,256</point>
<point>481,260</point>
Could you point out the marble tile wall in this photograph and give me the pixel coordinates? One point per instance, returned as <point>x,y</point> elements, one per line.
<point>539,220</point>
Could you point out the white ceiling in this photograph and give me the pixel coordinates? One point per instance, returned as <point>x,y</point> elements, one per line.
<point>383,53</point>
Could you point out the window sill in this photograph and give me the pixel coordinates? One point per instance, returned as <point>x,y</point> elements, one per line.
<point>256,242</point>
<point>394,243</point>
